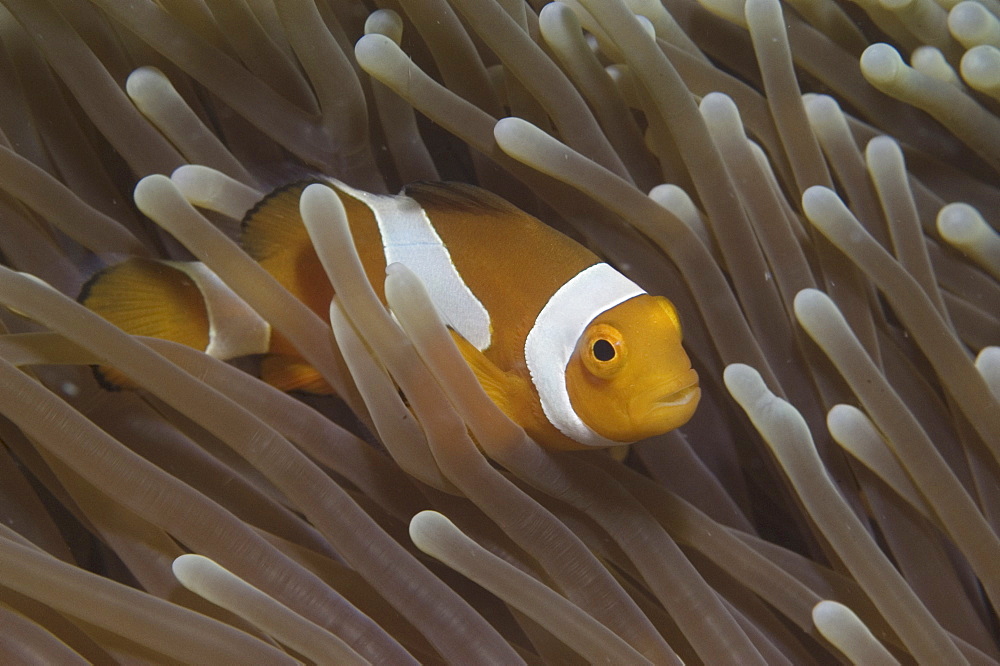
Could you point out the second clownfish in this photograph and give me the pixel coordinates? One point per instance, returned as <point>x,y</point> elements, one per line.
<point>568,347</point>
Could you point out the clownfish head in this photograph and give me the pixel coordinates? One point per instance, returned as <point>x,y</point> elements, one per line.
<point>629,377</point>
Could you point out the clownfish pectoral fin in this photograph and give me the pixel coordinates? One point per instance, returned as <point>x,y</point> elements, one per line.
<point>290,373</point>
<point>499,385</point>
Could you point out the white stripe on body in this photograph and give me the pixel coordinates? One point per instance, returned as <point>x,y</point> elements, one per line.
<point>554,336</point>
<point>409,237</point>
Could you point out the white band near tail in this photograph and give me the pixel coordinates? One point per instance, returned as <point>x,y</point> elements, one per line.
<point>554,336</point>
<point>234,328</point>
<point>409,237</point>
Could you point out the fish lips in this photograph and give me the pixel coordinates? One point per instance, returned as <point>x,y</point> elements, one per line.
<point>680,398</point>
<point>668,406</point>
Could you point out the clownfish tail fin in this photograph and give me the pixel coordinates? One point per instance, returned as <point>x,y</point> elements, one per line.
<point>147,297</point>
<point>151,298</point>
<point>290,373</point>
<point>110,379</point>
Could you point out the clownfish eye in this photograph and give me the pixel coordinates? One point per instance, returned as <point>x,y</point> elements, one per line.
<point>603,350</point>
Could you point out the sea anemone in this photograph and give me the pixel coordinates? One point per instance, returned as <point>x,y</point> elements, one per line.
<point>823,215</point>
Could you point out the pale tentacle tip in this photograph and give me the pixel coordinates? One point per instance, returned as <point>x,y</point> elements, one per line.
<point>881,63</point>
<point>425,525</point>
<point>809,298</point>
<point>818,199</point>
<point>959,222</point>
<point>143,80</point>
<point>185,565</point>
<point>385,22</point>
<point>744,383</point>
<point>511,127</point>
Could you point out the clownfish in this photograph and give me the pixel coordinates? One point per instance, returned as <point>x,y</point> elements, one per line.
<point>568,347</point>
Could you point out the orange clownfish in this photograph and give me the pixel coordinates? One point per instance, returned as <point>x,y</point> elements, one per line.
<point>568,347</point>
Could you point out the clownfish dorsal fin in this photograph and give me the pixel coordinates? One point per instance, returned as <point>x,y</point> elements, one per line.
<point>274,224</point>
<point>459,198</point>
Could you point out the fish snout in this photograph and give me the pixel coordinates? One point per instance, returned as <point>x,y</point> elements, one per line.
<point>668,405</point>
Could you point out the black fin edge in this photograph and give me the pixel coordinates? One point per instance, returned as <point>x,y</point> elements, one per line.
<point>456,195</point>
<point>103,381</point>
<point>88,286</point>
<point>260,205</point>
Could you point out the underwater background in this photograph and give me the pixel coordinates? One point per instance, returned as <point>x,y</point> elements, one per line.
<point>814,184</point>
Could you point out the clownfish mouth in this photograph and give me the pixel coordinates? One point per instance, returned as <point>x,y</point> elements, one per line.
<point>669,407</point>
<point>680,398</point>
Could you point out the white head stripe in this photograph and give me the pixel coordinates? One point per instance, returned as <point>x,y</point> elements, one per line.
<point>554,336</point>
<point>409,237</point>
<point>234,328</point>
